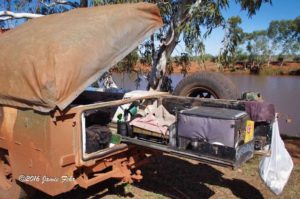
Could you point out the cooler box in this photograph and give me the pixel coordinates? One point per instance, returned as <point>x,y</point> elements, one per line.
<point>220,133</point>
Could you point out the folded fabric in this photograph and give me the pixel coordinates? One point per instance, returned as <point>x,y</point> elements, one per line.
<point>150,123</point>
<point>260,111</point>
<point>158,119</point>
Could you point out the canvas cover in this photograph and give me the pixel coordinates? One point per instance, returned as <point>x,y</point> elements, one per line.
<point>47,62</point>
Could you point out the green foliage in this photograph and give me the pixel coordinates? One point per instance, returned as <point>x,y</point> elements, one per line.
<point>281,36</point>
<point>252,6</point>
<point>296,58</point>
<point>231,41</point>
<point>241,56</point>
<point>147,51</point>
<point>286,33</point>
<point>166,85</point>
<point>169,67</point>
<point>128,63</point>
<point>280,58</point>
<point>258,47</point>
<point>184,62</point>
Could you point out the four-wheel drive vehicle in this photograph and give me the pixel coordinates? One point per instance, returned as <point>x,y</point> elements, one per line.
<point>55,136</point>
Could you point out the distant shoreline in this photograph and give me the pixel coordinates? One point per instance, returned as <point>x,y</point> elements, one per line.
<point>288,69</point>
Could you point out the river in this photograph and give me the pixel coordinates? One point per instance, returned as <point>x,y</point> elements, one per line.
<point>283,91</point>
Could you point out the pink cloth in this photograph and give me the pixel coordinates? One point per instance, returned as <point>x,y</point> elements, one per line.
<point>150,122</point>
<point>157,120</point>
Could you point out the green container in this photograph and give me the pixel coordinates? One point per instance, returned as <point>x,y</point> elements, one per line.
<point>133,110</point>
<point>115,139</point>
<point>251,96</point>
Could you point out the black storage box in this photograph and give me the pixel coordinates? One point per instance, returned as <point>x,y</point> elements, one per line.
<point>218,133</point>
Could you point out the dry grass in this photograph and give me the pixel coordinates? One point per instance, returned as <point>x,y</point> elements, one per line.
<point>171,177</point>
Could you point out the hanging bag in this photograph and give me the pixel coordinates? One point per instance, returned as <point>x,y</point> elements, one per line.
<point>276,169</point>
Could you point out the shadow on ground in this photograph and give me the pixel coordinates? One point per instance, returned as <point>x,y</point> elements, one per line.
<point>173,178</point>
<point>177,178</point>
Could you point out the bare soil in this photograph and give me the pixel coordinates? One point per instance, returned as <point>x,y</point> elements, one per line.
<point>289,68</point>
<point>172,177</point>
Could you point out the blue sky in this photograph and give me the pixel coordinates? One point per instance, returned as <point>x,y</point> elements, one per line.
<point>280,9</point>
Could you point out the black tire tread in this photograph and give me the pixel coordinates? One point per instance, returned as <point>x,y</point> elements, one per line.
<point>219,83</point>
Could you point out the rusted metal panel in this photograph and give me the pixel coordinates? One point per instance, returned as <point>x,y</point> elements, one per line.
<point>49,149</point>
<point>8,120</point>
<point>37,148</point>
<point>47,62</point>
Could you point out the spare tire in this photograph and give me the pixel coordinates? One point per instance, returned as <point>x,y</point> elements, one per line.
<point>207,85</point>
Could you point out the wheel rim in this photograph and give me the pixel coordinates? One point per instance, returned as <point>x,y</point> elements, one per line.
<point>201,92</point>
<point>6,179</point>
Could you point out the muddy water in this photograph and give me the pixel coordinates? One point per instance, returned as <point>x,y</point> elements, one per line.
<point>284,92</point>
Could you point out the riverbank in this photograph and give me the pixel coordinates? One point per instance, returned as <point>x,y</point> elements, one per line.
<point>288,68</point>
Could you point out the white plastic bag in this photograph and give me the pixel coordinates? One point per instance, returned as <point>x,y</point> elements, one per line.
<point>276,169</point>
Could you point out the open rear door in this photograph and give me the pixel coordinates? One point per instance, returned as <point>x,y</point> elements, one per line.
<point>213,131</point>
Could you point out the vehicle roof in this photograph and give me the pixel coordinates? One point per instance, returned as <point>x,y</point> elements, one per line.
<point>47,62</point>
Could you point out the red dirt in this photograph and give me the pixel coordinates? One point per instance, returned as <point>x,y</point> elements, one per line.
<point>211,66</point>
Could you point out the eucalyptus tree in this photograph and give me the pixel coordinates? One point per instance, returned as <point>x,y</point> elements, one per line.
<point>286,35</point>
<point>259,47</point>
<point>187,21</point>
<point>232,40</point>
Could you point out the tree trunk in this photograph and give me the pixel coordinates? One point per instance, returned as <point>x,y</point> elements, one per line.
<point>159,64</point>
<point>6,15</point>
<point>269,60</point>
<point>152,47</point>
<point>180,18</point>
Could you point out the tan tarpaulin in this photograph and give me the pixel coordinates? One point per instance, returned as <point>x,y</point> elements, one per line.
<point>47,62</point>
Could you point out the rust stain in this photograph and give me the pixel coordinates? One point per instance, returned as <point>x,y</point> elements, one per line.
<point>8,122</point>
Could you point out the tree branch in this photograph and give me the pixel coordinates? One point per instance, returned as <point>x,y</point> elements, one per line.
<point>6,15</point>
<point>158,69</point>
<point>172,35</point>
<point>190,13</point>
<point>60,2</point>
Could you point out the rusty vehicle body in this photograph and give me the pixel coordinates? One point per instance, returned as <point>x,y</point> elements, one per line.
<point>46,64</point>
<point>48,148</point>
